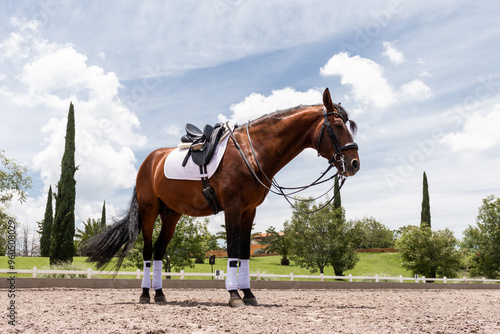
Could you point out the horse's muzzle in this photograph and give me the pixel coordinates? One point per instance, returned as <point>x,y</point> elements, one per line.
<point>353,167</point>
<point>350,166</point>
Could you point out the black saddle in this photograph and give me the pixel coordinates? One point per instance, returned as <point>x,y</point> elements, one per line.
<point>202,148</point>
<point>203,143</point>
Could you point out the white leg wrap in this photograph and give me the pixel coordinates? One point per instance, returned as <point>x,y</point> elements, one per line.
<point>244,275</point>
<point>146,277</point>
<point>157,266</point>
<point>232,274</point>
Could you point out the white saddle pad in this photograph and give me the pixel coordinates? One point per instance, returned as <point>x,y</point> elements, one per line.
<point>173,164</point>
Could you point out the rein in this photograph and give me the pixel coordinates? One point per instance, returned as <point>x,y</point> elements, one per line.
<point>338,156</point>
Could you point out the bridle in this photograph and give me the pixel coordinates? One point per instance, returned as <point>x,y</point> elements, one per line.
<point>338,156</point>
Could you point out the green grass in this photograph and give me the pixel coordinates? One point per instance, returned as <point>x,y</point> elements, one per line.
<point>25,262</point>
<point>42,263</point>
<point>382,264</point>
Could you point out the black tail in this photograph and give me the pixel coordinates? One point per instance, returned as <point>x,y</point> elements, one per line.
<point>116,239</point>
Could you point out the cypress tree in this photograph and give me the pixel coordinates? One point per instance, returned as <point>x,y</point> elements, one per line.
<point>337,201</point>
<point>47,227</point>
<point>103,216</point>
<point>337,211</point>
<point>62,247</point>
<point>425,215</point>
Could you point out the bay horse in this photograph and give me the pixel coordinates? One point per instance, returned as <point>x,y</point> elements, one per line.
<point>242,181</point>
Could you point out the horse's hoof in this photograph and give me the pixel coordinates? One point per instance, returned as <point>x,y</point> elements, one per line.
<point>160,300</point>
<point>250,301</point>
<point>236,302</point>
<point>144,300</point>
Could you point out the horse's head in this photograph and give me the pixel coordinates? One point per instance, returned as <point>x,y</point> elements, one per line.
<point>334,139</point>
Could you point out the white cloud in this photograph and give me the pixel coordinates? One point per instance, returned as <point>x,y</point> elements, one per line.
<point>364,75</point>
<point>369,86</point>
<point>416,89</point>
<point>480,133</point>
<point>43,78</point>
<point>173,130</point>
<point>394,55</point>
<point>256,105</point>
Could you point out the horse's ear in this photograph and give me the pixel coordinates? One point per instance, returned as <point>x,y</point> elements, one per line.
<point>327,100</point>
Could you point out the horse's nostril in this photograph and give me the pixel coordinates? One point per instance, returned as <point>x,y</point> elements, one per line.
<point>355,164</point>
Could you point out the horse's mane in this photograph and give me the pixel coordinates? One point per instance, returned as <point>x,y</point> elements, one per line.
<point>279,114</point>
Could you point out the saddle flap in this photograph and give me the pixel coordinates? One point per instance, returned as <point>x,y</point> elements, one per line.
<point>193,131</point>
<point>207,131</point>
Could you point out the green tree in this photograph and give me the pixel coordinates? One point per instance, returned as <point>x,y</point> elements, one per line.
<point>425,214</point>
<point>429,253</point>
<point>204,241</point>
<point>91,228</point>
<point>277,242</point>
<point>13,182</point>
<point>483,240</point>
<point>62,247</point>
<point>103,215</point>
<point>191,240</point>
<point>373,234</point>
<point>4,232</point>
<point>46,228</point>
<point>321,238</point>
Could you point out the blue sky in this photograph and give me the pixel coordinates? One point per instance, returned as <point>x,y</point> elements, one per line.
<point>420,78</point>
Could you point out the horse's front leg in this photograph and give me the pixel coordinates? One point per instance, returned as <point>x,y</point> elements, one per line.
<point>244,270</point>
<point>238,230</point>
<point>232,217</point>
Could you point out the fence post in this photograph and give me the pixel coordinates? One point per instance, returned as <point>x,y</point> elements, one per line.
<point>465,279</point>
<point>376,278</point>
<point>350,277</point>
<point>484,280</point>
<point>258,276</point>
<point>445,279</point>
<point>423,279</point>
<point>34,272</point>
<point>401,278</point>
<point>182,275</point>
<point>322,277</point>
<point>291,277</point>
<point>89,273</point>
<point>138,274</point>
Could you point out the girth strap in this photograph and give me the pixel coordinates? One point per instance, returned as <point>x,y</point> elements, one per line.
<point>209,192</point>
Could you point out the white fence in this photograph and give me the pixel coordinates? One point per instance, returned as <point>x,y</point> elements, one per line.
<point>219,274</point>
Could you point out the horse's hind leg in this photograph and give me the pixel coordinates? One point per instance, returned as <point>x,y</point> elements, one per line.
<point>169,219</point>
<point>148,211</point>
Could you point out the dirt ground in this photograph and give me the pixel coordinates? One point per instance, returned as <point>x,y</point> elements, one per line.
<point>280,311</point>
